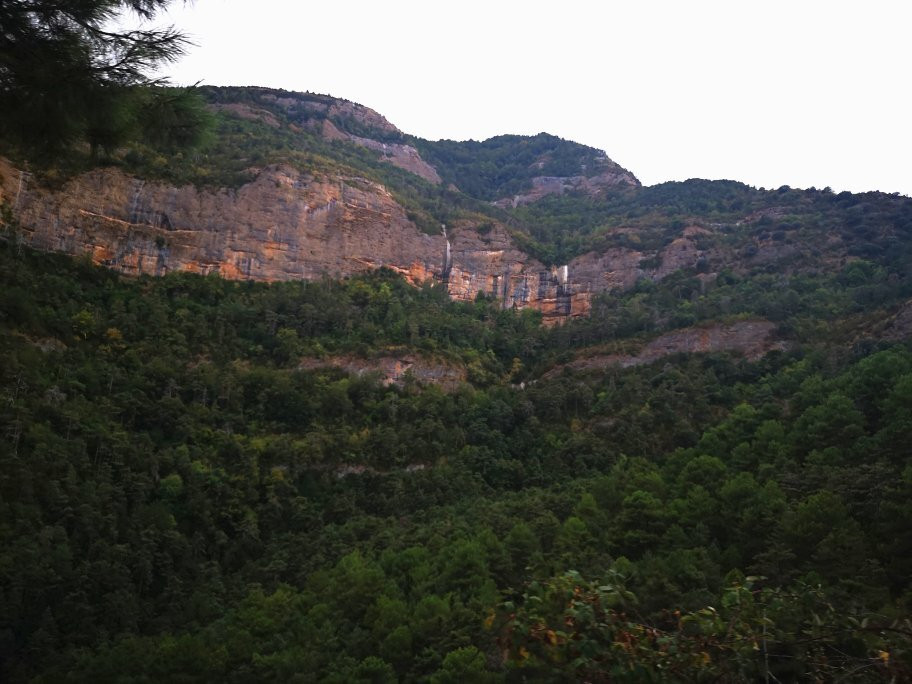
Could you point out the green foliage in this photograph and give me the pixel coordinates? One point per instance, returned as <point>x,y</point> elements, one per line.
<point>505,165</point>
<point>182,499</point>
<point>190,490</point>
<point>558,228</point>
<point>567,627</point>
<point>68,78</point>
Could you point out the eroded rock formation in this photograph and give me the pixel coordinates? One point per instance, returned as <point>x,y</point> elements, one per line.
<point>750,338</point>
<point>558,185</point>
<point>284,225</point>
<point>490,264</point>
<point>398,154</point>
<point>287,225</point>
<point>396,369</point>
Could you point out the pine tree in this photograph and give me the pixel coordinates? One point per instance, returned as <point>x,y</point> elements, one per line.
<point>68,76</point>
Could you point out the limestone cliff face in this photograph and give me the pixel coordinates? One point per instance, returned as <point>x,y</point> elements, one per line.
<point>329,117</point>
<point>282,226</point>
<point>326,107</point>
<point>287,225</point>
<point>326,110</point>
<point>491,264</point>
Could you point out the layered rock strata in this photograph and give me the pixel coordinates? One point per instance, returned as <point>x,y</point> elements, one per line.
<point>543,186</point>
<point>398,154</point>
<point>287,225</point>
<point>282,226</point>
<point>752,339</point>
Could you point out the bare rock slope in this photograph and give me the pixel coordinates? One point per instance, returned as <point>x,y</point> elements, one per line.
<point>288,225</point>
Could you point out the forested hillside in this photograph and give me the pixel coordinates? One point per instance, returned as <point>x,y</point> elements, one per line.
<point>400,410</point>
<point>187,494</point>
<point>705,478</point>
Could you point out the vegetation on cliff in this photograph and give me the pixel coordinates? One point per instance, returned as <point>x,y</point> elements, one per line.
<point>255,127</point>
<point>186,494</point>
<point>69,78</point>
<point>181,501</point>
<point>506,164</point>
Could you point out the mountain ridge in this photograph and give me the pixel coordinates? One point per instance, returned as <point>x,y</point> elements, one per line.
<point>300,185</point>
<point>237,465</point>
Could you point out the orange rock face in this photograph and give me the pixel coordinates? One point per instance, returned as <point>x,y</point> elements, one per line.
<point>282,226</point>
<point>491,264</point>
<point>287,225</point>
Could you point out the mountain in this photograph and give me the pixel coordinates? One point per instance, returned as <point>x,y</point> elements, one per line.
<point>304,186</point>
<point>221,461</point>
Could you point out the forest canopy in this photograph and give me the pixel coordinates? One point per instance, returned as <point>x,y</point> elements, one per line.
<point>213,480</point>
<point>181,499</point>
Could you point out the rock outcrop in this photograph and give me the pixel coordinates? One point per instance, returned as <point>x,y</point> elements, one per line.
<point>288,225</point>
<point>334,109</point>
<point>404,156</point>
<point>396,369</point>
<point>334,120</point>
<point>611,176</point>
<point>284,225</point>
<point>492,265</point>
<point>751,338</point>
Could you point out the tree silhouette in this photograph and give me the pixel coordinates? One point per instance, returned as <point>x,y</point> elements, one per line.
<point>69,75</point>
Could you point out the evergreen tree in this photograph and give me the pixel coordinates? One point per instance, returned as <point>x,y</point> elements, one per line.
<point>68,75</point>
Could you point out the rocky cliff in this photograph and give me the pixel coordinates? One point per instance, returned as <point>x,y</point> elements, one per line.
<point>320,201</point>
<point>334,120</point>
<point>309,189</point>
<point>751,339</point>
<point>608,178</point>
<point>283,225</point>
<point>404,156</point>
<point>287,225</point>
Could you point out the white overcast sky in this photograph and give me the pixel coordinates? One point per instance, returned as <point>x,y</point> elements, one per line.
<point>801,93</point>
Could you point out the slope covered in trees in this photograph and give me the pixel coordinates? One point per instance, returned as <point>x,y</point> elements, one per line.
<point>181,500</point>
<point>506,164</point>
<point>191,489</point>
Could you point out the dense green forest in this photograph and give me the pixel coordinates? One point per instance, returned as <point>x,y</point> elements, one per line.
<point>181,500</point>
<point>560,227</point>
<point>506,164</point>
<point>195,487</point>
<point>192,489</point>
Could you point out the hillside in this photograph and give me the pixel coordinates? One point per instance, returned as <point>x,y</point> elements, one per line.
<point>305,186</point>
<point>187,494</point>
<point>323,401</point>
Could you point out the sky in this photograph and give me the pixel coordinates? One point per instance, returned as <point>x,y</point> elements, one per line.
<point>801,93</point>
